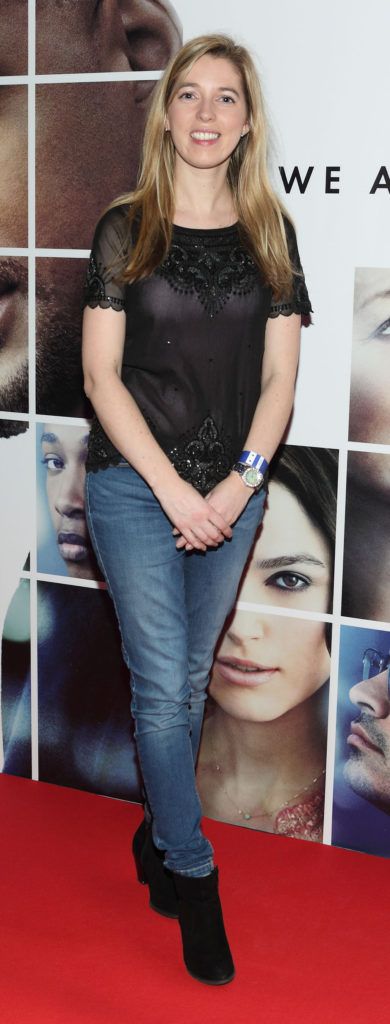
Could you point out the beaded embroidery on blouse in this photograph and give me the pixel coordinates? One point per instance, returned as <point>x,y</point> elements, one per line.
<point>101,451</point>
<point>213,273</point>
<point>204,458</point>
<point>95,289</point>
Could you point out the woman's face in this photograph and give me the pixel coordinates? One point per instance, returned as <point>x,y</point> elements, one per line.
<point>64,451</point>
<point>207,113</point>
<point>291,564</point>
<point>268,664</point>
<point>369,410</point>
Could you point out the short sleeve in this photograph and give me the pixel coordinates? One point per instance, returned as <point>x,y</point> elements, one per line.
<point>109,254</point>
<point>299,301</point>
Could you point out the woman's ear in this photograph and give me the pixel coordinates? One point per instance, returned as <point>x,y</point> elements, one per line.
<point>153,32</point>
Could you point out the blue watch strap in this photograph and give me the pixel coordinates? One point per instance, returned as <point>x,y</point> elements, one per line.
<point>249,458</point>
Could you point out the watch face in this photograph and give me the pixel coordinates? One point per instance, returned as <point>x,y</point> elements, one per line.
<point>253,477</point>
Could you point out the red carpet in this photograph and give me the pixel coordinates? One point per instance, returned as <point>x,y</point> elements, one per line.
<point>309,926</point>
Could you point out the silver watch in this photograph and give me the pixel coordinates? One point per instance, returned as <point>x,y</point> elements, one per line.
<point>250,475</point>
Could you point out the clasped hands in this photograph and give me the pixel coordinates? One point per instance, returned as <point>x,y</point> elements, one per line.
<point>199,522</point>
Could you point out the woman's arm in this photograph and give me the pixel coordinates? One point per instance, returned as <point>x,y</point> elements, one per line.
<point>272,413</point>
<point>103,340</point>
<point>279,370</point>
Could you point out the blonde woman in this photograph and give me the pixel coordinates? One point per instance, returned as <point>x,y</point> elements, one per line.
<point>190,348</point>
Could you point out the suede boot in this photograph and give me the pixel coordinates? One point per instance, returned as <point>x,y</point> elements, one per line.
<point>150,869</point>
<point>205,947</point>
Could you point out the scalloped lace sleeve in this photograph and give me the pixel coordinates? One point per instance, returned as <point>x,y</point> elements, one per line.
<point>109,253</point>
<point>299,301</point>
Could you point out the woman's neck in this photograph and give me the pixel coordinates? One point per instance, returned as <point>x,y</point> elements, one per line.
<point>203,197</point>
<point>291,747</point>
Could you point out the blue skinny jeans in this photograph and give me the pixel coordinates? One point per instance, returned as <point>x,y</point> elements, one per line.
<point>171,606</point>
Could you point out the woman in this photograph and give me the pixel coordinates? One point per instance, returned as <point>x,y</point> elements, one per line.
<point>63,454</point>
<point>263,750</point>
<point>188,278</point>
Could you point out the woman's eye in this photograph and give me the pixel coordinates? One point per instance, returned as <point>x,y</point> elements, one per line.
<point>53,463</point>
<point>227,99</point>
<point>288,581</point>
<point>383,331</point>
<point>186,95</point>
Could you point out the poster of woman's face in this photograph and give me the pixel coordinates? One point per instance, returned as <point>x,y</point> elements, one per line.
<point>291,564</point>
<point>85,725</point>
<point>64,546</point>
<point>366,592</point>
<point>369,419</point>
<point>361,812</point>
<point>262,754</point>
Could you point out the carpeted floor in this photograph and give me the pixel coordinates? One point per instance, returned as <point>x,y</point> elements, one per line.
<point>309,926</point>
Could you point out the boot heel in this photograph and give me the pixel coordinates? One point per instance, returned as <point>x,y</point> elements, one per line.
<point>141,877</point>
<point>149,866</point>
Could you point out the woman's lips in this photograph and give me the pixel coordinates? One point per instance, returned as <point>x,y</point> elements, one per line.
<point>210,140</point>
<point>359,738</point>
<point>245,673</point>
<point>73,547</point>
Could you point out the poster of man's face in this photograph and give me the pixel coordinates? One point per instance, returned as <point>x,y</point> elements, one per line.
<point>13,165</point>
<point>361,818</point>
<point>13,334</point>
<point>78,127</point>
<point>13,37</point>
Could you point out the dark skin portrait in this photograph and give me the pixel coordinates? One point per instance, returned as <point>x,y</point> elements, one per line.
<point>59,381</point>
<point>63,452</point>
<point>13,166</point>
<point>13,334</point>
<point>89,134</point>
<point>77,36</point>
<point>88,143</point>
<point>13,37</point>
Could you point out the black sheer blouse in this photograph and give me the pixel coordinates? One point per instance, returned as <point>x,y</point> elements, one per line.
<point>194,342</point>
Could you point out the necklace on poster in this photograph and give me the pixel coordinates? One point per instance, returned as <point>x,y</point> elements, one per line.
<point>249,815</point>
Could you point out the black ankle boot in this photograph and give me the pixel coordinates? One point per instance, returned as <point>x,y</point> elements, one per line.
<point>150,869</point>
<point>205,947</point>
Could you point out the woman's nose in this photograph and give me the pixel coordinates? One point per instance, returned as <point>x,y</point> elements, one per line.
<point>206,111</point>
<point>70,496</point>
<point>372,696</point>
<point>245,628</point>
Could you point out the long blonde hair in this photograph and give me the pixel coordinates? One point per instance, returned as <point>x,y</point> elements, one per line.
<point>260,213</point>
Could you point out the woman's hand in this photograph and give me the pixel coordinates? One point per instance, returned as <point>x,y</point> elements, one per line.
<point>227,499</point>
<point>198,524</point>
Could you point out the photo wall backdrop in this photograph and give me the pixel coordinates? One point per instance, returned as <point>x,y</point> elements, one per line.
<point>296,738</point>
